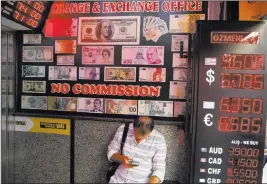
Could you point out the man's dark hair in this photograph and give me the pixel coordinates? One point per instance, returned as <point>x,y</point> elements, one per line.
<point>137,123</point>
<point>97,100</point>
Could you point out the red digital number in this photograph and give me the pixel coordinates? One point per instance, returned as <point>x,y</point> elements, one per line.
<point>225,104</point>
<point>256,125</point>
<point>32,23</point>
<point>257,106</point>
<point>248,61</point>
<point>258,82</point>
<point>21,7</point>
<point>237,61</point>
<point>36,15</point>
<point>235,105</point>
<point>226,61</point>
<point>246,104</point>
<point>224,125</point>
<point>247,81</point>
<point>235,124</point>
<point>236,80</point>
<point>245,124</point>
<point>38,6</point>
<point>225,80</point>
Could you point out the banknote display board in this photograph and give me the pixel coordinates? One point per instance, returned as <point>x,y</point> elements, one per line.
<point>109,59</point>
<point>27,13</point>
<point>231,88</point>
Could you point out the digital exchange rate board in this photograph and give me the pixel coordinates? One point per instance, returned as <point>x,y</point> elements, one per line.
<point>231,95</point>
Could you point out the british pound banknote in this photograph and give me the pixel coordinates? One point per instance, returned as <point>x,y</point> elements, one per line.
<point>184,23</point>
<point>179,74</point>
<point>65,46</point>
<point>34,86</point>
<point>177,90</point>
<point>91,105</point>
<point>89,73</point>
<point>152,74</point>
<point>32,38</point>
<point>62,73</point>
<point>34,102</point>
<point>62,103</point>
<point>179,108</point>
<point>142,55</point>
<point>33,71</point>
<point>123,74</point>
<point>37,54</point>
<point>178,61</point>
<point>115,30</point>
<point>98,55</point>
<point>65,60</point>
<point>121,106</point>
<point>155,108</point>
<point>177,40</point>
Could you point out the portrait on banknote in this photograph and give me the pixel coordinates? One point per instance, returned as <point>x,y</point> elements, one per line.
<point>184,23</point>
<point>32,38</point>
<point>33,71</point>
<point>155,108</point>
<point>154,28</point>
<point>34,86</point>
<point>121,106</point>
<point>179,108</point>
<point>62,103</point>
<point>152,74</point>
<point>179,74</point>
<point>177,90</point>
<point>34,102</point>
<point>65,46</point>
<point>91,105</point>
<point>37,54</point>
<point>61,27</point>
<point>89,73</point>
<point>142,55</point>
<point>62,73</point>
<point>65,59</point>
<point>115,30</point>
<point>120,74</point>
<point>177,41</point>
<point>178,61</point>
<point>98,55</point>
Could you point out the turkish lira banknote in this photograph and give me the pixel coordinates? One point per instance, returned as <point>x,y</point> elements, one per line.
<point>155,108</point>
<point>177,90</point>
<point>98,55</point>
<point>34,86</point>
<point>34,102</point>
<point>123,74</point>
<point>37,54</point>
<point>142,55</point>
<point>32,38</point>
<point>89,73</point>
<point>33,71</point>
<point>65,46</point>
<point>178,61</point>
<point>177,40</point>
<point>184,23</point>
<point>152,74</point>
<point>121,106</point>
<point>179,74</point>
<point>116,30</point>
<point>65,60</point>
<point>91,105</point>
<point>62,103</point>
<point>62,73</point>
<point>179,108</point>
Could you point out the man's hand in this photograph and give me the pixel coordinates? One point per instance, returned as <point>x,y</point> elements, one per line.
<point>122,159</point>
<point>154,179</point>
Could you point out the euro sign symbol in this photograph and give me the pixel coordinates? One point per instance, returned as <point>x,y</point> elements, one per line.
<point>210,78</point>
<point>207,119</point>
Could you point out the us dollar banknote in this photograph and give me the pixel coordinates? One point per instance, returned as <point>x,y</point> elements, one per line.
<point>33,71</point>
<point>152,74</point>
<point>89,73</point>
<point>124,74</point>
<point>62,103</point>
<point>155,108</point>
<point>34,102</point>
<point>62,73</point>
<point>115,30</point>
<point>91,105</point>
<point>98,55</point>
<point>32,38</point>
<point>37,54</point>
<point>121,106</point>
<point>142,55</point>
<point>34,86</point>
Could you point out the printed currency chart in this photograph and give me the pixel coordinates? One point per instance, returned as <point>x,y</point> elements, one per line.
<point>231,99</point>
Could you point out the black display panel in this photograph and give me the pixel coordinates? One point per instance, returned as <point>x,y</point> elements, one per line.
<point>27,13</point>
<point>230,102</point>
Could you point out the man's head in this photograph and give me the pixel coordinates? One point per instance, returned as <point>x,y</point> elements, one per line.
<point>97,103</point>
<point>143,126</point>
<point>104,29</point>
<point>152,54</point>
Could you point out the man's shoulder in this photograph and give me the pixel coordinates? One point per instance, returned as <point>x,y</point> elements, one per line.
<point>121,127</point>
<point>159,136</point>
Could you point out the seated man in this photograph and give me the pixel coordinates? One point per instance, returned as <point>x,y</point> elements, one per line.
<point>144,154</point>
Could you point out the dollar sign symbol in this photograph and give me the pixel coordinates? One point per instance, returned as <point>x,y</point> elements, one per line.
<point>210,78</point>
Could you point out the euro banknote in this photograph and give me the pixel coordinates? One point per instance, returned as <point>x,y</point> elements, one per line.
<point>178,61</point>
<point>177,90</point>
<point>65,46</point>
<point>152,74</point>
<point>62,103</point>
<point>155,108</point>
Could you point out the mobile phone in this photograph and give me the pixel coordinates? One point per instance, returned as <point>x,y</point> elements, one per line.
<point>135,163</point>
